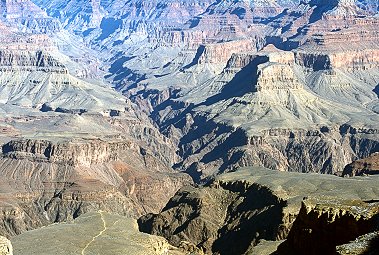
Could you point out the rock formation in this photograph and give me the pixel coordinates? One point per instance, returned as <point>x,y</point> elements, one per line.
<point>5,246</point>
<point>58,181</point>
<point>210,56</point>
<point>366,166</point>
<point>28,15</point>
<point>240,209</point>
<point>366,244</point>
<point>108,105</point>
<point>330,223</point>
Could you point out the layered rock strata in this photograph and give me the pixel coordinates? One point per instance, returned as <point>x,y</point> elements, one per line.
<point>56,181</point>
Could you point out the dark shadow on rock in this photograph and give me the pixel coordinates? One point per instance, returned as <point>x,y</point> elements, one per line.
<point>193,172</point>
<point>260,214</point>
<point>203,129</point>
<point>284,13</point>
<point>108,27</point>
<point>321,9</point>
<point>243,82</point>
<point>236,139</point>
<point>46,108</point>
<point>373,247</point>
<point>6,148</point>
<point>196,59</point>
<point>240,12</point>
<point>121,73</point>
<point>315,234</point>
<point>376,90</point>
<point>178,120</point>
<point>194,22</point>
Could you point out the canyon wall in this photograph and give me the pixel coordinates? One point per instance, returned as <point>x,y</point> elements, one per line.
<point>238,210</point>
<point>50,182</point>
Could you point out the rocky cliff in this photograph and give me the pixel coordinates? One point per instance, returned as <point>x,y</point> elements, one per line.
<point>28,15</point>
<point>58,181</point>
<point>330,223</point>
<point>201,68</point>
<point>265,109</point>
<point>203,87</point>
<point>365,166</point>
<point>365,244</point>
<point>238,210</point>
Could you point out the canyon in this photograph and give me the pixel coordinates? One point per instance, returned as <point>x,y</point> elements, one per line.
<point>201,123</point>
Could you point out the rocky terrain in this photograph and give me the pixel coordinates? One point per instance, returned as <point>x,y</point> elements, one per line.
<point>5,246</point>
<point>69,142</point>
<point>313,213</point>
<point>365,166</point>
<point>45,182</point>
<point>113,106</point>
<point>267,82</point>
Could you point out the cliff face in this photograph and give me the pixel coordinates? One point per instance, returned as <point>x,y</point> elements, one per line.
<point>351,60</point>
<point>365,166</point>
<point>240,209</point>
<point>32,17</point>
<point>56,181</point>
<point>265,110</point>
<point>214,217</point>
<point>190,65</point>
<point>329,223</point>
<point>84,154</point>
<point>221,52</point>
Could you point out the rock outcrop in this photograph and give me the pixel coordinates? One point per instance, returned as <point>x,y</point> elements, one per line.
<point>366,244</point>
<point>221,52</point>
<point>240,209</point>
<point>58,181</point>
<point>6,247</point>
<point>324,224</point>
<point>366,166</point>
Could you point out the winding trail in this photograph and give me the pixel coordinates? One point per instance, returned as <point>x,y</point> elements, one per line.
<point>101,232</point>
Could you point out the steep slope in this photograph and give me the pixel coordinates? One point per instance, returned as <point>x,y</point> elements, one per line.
<point>235,212</point>
<point>47,182</point>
